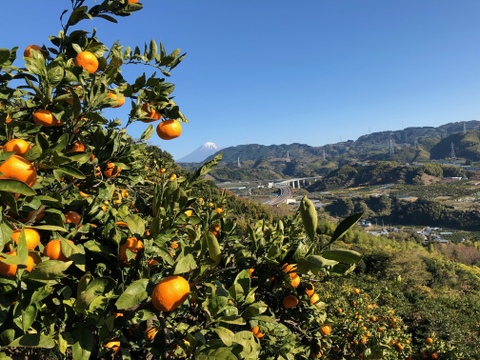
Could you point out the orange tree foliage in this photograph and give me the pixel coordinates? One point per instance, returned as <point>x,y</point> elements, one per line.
<point>139,223</point>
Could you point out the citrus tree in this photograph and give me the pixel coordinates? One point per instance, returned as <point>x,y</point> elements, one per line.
<point>106,252</point>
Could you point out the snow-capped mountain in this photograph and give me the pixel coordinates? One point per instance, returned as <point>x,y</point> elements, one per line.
<point>200,154</point>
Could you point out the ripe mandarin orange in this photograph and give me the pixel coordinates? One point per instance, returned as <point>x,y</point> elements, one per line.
<point>16,167</point>
<point>53,250</point>
<point>17,146</point>
<point>132,1</point>
<point>132,244</point>
<point>150,333</point>
<point>256,332</point>
<point>290,301</point>
<point>314,299</point>
<point>45,118</point>
<point>87,60</point>
<point>32,237</point>
<point>325,330</point>
<point>289,267</point>
<point>77,146</point>
<point>111,170</point>
<point>72,217</point>
<point>113,345</point>
<point>152,114</point>
<point>119,99</point>
<point>309,289</point>
<point>170,293</point>
<point>294,279</point>
<point>11,269</point>
<point>27,52</point>
<point>169,129</point>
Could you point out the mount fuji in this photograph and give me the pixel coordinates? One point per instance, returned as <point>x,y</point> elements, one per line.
<point>200,154</point>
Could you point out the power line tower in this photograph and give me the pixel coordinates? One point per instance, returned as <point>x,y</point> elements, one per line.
<point>415,144</point>
<point>238,162</point>
<point>324,155</point>
<point>288,156</point>
<point>464,128</point>
<point>452,152</point>
<point>392,150</point>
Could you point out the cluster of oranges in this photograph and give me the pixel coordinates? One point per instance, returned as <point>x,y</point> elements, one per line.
<point>166,129</point>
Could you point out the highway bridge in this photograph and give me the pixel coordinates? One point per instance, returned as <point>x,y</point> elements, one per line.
<point>285,187</point>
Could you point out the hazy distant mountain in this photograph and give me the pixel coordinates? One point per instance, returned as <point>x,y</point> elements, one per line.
<point>200,154</point>
<point>410,145</point>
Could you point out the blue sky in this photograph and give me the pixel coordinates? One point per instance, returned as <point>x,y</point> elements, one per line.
<point>308,71</point>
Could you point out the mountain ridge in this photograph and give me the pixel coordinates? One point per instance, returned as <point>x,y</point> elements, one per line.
<point>413,144</point>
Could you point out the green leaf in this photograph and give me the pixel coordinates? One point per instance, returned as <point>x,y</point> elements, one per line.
<point>213,247</point>
<point>226,335</point>
<point>68,170</point>
<point>344,226</point>
<point>16,186</point>
<point>342,255</point>
<point>34,341</point>
<point>133,295</point>
<point>4,55</point>
<point>216,354</point>
<point>83,343</point>
<point>314,263</point>
<point>147,134</point>
<point>55,75</point>
<point>309,217</point>
<point>185,264</point>
<point>50,270</point>
<point>135,224</point>
<point>205,168</point>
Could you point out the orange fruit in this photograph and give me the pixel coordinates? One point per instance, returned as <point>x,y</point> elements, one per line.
<point>111,170</point>
<point>325,330</point>
<point>170,293</point>
<point>119,99</point>
<point>340,310</point>
<point>87,61</point>
<point>250,272</point>
<point>188,212</point>
<point>132,244</point>
<point>256,331</point>
<point>174,245</point>
<point>434,356</point>
<point>289,267</point>
<point>27,52</point>
<point>429,340</point>
<point>152,114</point>
<point>290,301</point>
<point>72,217</point>
<point>169,129</point>
<point>53,250</point>
<point>132,1</point>
<point>309,289</point>
<point>17,146</point>
<point>44,117</point>
<point>32,237</point>
<point>314,299</point>
<point>294,279</point>
<point>219,211</point>
<point>113,345</point>
<point>356,291</point>
<point>16,167</point>
<point>11,269</point>
<point>77,146</point>
<point>150,333</point>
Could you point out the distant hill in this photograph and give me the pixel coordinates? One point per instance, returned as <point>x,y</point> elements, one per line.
<point>414,144</point>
